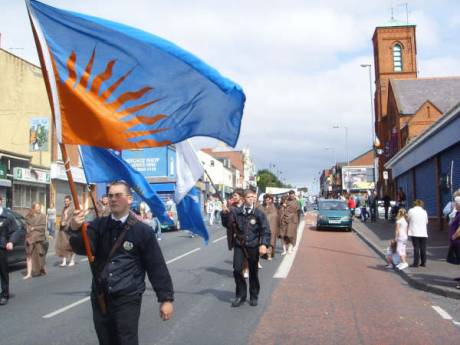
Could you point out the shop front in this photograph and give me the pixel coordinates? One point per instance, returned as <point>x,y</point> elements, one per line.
<point>158,166</point>
<point>29,185</point>
<point>60,186</point>
<point>5,183</point>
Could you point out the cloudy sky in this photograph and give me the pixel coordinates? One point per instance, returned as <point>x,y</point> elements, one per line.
<point>297,61</point>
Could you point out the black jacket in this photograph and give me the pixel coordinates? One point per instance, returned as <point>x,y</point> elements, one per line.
<point>138,254</point>
<point>252,226</point>
<point>9,231</point>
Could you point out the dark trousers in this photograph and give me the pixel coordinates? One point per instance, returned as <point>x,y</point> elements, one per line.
<point>386,212</point>
<point>373,210</point>
<point>419,244</point>
<point>253,260</point>
<point>364,214</point>
<point>120,325</point>
<point>4,274</point>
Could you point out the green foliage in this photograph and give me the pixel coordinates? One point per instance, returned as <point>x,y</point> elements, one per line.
<point>265,179</point>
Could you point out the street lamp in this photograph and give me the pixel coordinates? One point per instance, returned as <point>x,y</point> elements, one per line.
<point>333,152</point>
<point>374,141</point>
<point>346,140</point>
<point>369,66</point>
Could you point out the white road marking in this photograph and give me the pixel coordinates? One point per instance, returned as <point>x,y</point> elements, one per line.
<point>286,264</point>
<point>444,314</point>
<point>70,306</point>
<point>183,255</point>
<point>59,311</point>
<point>84,260</point>
<point>219,239</point>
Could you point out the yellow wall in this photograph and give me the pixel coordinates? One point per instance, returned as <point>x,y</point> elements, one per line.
<point>22,97</point>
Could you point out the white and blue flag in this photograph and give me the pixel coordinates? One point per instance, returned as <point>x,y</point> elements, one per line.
<point>189,171</point>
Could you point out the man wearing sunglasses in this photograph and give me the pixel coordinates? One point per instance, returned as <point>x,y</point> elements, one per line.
<point>125,249</point>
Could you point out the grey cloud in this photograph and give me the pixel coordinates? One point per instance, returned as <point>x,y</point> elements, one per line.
<point>298,62</point>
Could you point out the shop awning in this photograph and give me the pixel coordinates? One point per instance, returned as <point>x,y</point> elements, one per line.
<point>163,187</point>
<point>5,182</point>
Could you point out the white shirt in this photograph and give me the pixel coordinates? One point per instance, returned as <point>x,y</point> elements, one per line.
<point>1,211</point>
<point>402,233</point>
<point>418,220</point>
<point>122,219</point>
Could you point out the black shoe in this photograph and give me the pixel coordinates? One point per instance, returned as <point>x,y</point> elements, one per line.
<point>253,302</point>
<point>422,265</point>
<point>413,265</point>
<point>3,300</point>
<point>238,301</point>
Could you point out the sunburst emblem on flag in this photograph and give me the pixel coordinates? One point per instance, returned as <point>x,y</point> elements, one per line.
<point>111,115</point>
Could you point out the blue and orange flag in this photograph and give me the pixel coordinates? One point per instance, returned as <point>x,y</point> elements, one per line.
<point>102,165</point>
<point>118,87</point>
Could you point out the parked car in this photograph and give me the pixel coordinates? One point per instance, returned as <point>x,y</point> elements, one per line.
<point>19,252</point>
<point>333,213</point>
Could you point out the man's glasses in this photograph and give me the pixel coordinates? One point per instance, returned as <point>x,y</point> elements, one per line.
<point>116,195</point>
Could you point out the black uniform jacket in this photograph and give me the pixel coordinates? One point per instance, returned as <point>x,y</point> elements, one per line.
<point>252,225</point>
<point>9,231</point>
<point>139,253</point>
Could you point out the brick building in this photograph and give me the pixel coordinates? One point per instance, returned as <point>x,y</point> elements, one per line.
<point>405,105</point>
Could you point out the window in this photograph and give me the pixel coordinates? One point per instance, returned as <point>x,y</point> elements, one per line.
<point>211,163</point>
<point>397,58</point>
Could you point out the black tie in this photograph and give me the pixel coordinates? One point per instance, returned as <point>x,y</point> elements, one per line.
<point>115,224</point>
<point>247,210</point>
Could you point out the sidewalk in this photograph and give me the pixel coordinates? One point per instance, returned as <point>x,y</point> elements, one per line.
<point>437,277</point>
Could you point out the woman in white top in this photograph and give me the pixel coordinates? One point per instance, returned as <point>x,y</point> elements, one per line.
<point>417,230</point>
<point>401,237</point>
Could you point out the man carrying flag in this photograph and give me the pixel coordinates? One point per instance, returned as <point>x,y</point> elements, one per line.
<point>114,86</point>
<point>125,249</point>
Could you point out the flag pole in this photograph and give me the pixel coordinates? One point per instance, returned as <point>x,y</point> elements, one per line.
<point>65,157</point>
<point>214,186</point>
<point>90,189</point>
<point>73,192</point>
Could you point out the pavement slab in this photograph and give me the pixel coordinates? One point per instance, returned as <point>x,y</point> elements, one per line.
<point>438,275</point>
<point>338,292</point>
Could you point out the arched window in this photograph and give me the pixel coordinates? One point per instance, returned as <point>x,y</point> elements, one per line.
<point>397,58</point>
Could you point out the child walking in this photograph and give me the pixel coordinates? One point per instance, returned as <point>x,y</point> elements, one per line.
<point>401,237</point>
<point>393,259</point>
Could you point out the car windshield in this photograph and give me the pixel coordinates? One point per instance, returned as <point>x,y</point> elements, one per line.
<point>332,205</point>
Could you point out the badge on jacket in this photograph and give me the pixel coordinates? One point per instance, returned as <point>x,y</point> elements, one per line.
<point>252,221</point>
<point>128,245</point>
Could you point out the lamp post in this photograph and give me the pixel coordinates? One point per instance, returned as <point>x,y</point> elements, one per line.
<point>374,144</point>
<point>369,67</point>
<point>333,152</point>
<point>346,140</point>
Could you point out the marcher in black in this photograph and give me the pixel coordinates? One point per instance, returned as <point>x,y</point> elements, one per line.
<point>386,204</point>
<point>373,206</point>
<point>124,250</point>
<point>251,234</point>
<point>9,234</point>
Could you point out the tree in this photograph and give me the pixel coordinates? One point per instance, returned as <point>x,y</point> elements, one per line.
<point>265,179</point>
